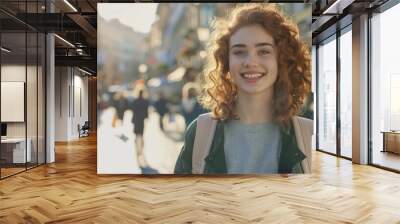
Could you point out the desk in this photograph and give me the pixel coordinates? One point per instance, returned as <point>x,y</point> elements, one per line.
<point>391,141</point>
<point>16,147</point>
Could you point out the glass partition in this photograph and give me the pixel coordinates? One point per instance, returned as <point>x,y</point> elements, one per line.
<point>31,97</point>
<point>13,113</point>
<point>41,86</point>
<point>32,86</point>
<point>22,88</point>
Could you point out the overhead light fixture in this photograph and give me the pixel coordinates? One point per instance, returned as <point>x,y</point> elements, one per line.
<point>70,5</point>
<point>64,40</point>
<point>84,71</point>
<point>5,50</point>
<point>80,51</point>
<point>337,7</point>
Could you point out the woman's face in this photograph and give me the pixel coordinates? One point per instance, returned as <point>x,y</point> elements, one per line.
<point>253,60</point>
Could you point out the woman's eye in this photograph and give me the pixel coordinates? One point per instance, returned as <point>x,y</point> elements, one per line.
<point>239,53</point>
<point>264,52</point>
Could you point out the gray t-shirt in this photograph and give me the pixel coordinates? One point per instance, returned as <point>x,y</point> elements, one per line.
<point>252,148</point>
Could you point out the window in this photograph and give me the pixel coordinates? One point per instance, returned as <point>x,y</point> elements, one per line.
<point>346,93</point>
<point>385,88</point>
<point>327,96</point>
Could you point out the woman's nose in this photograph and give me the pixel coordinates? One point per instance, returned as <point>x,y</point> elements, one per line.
<point>250,60</point>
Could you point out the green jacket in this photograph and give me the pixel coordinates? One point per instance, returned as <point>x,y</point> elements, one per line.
<point>289,160</point>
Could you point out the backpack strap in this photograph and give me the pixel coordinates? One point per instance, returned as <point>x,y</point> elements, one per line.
<point>202,142</point>
<point>303,129</point>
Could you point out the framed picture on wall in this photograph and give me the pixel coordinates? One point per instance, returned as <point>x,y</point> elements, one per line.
<point>163,66</point>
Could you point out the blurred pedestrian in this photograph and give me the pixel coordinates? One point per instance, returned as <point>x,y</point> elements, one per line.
<point>120,104</point>
<point>140,112</point>
<point>161,106</point>
<point>190,105</point>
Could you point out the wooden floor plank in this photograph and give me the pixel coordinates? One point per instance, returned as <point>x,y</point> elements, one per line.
<point>70,191</point>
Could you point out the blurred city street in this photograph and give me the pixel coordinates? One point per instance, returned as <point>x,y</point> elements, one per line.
<point>118,148</point>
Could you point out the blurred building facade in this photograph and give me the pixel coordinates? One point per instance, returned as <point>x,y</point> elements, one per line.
<point>179,37</point>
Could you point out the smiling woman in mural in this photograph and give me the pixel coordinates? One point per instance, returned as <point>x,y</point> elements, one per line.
<point>257,76</point>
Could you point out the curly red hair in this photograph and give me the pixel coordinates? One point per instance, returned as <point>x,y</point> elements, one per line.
<point>294,63</point>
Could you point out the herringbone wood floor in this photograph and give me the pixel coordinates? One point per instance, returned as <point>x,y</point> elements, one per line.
<point>70,191</point>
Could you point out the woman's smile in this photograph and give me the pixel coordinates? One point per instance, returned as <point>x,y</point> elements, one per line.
<point>252,77</point>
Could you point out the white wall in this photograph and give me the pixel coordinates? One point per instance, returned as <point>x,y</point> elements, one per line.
<point>81,103</point>
<point>61,103</point>
<point>71,94</point>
